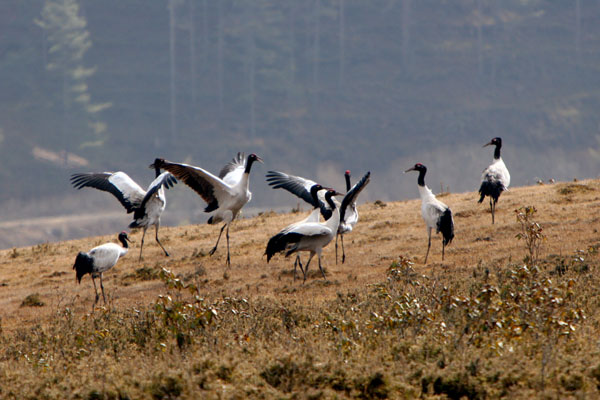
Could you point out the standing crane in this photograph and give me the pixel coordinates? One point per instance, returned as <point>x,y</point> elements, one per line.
<point>307,236</point>
<point>495,178</point>
<point>100,259</point>
<point>147,205</point>
<point>435,213</point>
<point>225,194</point>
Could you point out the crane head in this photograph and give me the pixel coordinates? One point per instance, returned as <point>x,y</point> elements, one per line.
<point>418,167</point>
<point>253,157</point>
<point>494,142</point>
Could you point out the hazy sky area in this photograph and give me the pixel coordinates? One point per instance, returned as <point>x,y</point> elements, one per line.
<point>314,87</point>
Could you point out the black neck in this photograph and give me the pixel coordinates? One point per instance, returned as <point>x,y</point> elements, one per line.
<point>123,241</point>
<point>328,198</point>
<point>157,170</point>
<point>497,152</point>
<point>313,193</point>
<point>421,179</point>
<point>347,182</point>
<point>249,162</point>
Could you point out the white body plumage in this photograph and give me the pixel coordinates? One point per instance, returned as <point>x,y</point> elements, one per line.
<point>497,172</point>
<point>105,257</point>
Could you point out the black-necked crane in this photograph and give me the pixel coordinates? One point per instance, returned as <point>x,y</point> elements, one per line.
<point>348,210</point>
<point>307,236</point>
<point>225,194</point>
<point>100,259</point>
<point>435,213</point>
<point>147,205</point>
<point>301,187</point>
<point>495,178</point>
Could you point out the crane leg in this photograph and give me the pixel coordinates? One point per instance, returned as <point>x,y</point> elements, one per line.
<point>443,248</point>
<point>298,262</point>
<point>158,241</point>
<point>142,244</point>
<point>343,251</point>
<point>321,268</point>
<point>217,244</point>
<point>228,257</point>
<point>492,208</point>
<point>336,247</point>
<point>95,290</point>
<point>307,264</point>
<point>102,287</point>
<point>428,244</point>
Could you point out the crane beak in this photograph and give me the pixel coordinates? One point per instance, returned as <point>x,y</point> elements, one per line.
<point>410,169</point>
<point>488,144</point>
<point>260,160</point>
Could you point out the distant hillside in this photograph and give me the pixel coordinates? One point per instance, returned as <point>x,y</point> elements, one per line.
<point>314,87</point>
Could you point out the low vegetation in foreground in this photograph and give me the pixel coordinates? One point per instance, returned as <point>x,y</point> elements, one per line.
<point>516,330</point>
<point>524,328</point>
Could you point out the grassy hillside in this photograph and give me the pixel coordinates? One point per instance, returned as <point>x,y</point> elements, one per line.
<point>484,323</point>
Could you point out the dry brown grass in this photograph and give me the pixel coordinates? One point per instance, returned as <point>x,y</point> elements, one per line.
<point>257,333</point>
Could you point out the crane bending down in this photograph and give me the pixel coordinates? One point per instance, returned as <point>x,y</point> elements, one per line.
<point>495,178</point>
<point>312,217</point>
<point>307,236</point>
<point>147,205</point>
<point>225,194</point>
<point>301,187</point>
<point>100,259</point>
<point>435,213</point>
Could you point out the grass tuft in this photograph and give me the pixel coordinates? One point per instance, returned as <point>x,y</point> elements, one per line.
<point>573,188</point>
<point>32,300</point>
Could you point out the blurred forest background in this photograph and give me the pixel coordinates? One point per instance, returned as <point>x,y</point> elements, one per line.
<point>314,87</point>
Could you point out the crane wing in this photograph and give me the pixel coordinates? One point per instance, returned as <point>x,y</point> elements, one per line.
<point>294,184</point>
<point>232,171</point>
<point>352,195</point>
<point>119,184</point>
<point>165,179</point>
<point>208,186</point>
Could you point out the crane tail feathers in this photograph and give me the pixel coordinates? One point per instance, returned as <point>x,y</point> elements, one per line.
<point>446,226</point>
<point>281,242</point>
<point>492,189</point>
<point>84,264</point>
